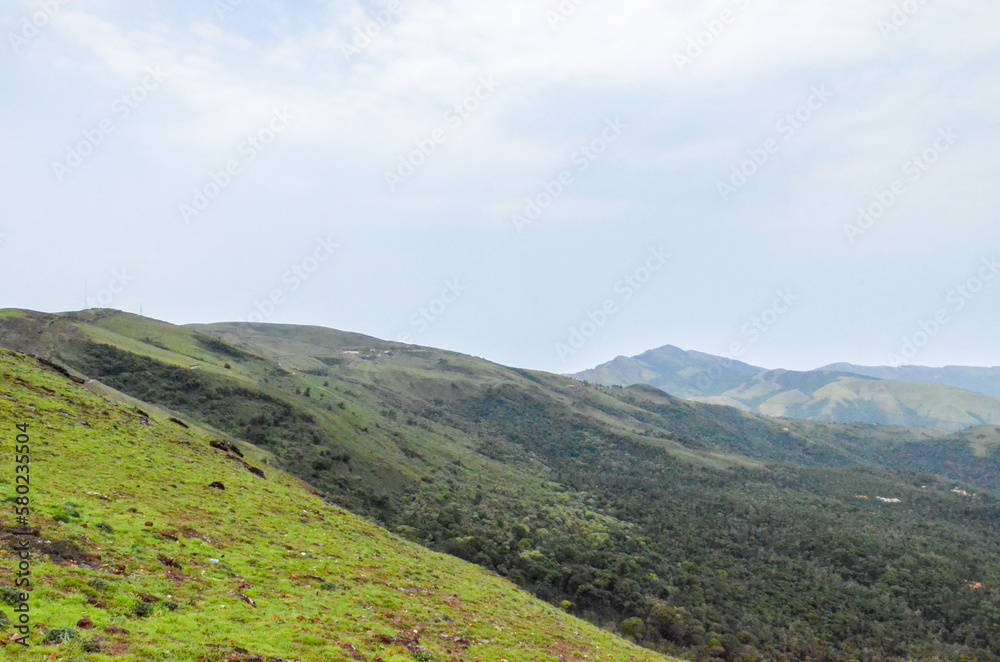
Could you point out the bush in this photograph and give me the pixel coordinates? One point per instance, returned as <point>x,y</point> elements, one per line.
<point>61,636</point>
<point>421,654</point>
<point>95,645</point>
<point>144,609</point>
<point>634,627</point>
<point>10,596</point>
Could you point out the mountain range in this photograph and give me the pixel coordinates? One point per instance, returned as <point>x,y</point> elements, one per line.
<point>950,398</point>
<point>698,531</point>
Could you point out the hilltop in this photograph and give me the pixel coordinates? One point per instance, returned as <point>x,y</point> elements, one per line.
<point>177,542</point>
<point>696,530</point>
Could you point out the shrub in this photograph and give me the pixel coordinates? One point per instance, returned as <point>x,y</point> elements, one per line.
<point>144,609</point>
<point>634,627</point>
<point>10,596</point>
<point>421,654</point>
<point>61,636</point>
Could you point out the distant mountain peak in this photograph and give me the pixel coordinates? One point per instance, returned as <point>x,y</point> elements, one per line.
<point>949,398</point>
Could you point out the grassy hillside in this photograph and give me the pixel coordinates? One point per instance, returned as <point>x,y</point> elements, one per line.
<point>697,530</point>
<point>979,380</point>
<point>132,537</point>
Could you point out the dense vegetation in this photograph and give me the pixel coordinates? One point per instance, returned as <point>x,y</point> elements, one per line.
<point>696,530</point>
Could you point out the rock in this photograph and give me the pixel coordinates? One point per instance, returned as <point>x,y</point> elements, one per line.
<point>218,486</point>
<point>227,447</point>
<point>168,562</point>
<point>247,600</point>
<point>85,624</point>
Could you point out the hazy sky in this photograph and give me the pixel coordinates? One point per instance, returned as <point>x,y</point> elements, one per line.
<point>544,184</point>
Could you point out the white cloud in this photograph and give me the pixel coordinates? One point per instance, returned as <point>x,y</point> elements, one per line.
<point>355,117</point>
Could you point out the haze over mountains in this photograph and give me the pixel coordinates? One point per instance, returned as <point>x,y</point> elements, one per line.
<point>696,530</point>
<point>950,398</point>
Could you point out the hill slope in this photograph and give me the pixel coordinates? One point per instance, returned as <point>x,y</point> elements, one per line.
<point>845,398</point>
<point>128,527</point>
<point>978,380</point>
<point>698,530</point>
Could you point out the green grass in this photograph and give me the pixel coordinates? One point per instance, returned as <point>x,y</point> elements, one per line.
<point>324,582</point>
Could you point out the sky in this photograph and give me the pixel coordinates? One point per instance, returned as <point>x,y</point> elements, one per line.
<point>547,184</point>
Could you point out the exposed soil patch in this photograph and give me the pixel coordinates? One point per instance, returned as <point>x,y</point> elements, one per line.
<point>255,471</point>
<point>60,552</point>
<point>188,532</point>
<point>55,367</point>
<point>226,447</point>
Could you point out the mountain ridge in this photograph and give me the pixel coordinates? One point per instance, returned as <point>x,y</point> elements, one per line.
<point>951,398</point>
